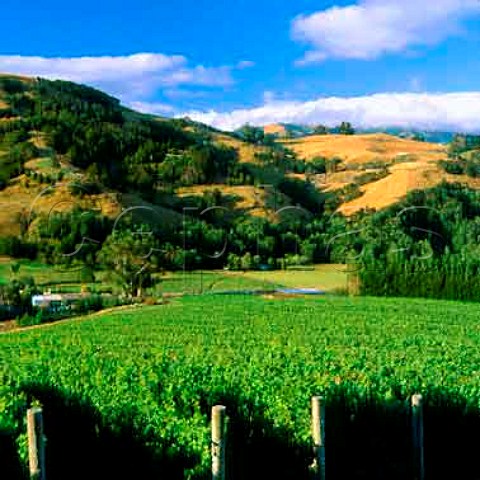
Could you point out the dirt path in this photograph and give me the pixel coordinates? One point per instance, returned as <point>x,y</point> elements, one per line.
<point>10,326</point>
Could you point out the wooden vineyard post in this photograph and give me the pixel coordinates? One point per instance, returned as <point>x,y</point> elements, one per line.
<point>36,444</point>
<point>218,442</point>
<point>318,434</point>
<point>417,432</point>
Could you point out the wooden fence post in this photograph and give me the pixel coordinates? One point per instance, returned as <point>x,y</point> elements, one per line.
<point>218,442</point>
<point>417,432</point>
<point>318,434</point>
<point>36,444</point>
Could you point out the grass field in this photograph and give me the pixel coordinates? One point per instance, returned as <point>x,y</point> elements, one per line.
<point>130,392</point>
<point>325,277</point>
<point>41,273</point>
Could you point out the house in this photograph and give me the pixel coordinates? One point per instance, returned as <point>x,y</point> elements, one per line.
<point>57,302</point>
<point>52,302</point>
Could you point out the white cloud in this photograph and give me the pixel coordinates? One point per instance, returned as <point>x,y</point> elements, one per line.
<point>245,64</point>
<point>157,108</point>
<point>130,77</point>
<point>92,69</point>
<point>436,111</point>
<point>371,28</point>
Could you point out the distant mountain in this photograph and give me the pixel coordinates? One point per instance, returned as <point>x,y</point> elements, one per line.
<point>284,130</point>
<point>290,130</point>
<point>428,136</point>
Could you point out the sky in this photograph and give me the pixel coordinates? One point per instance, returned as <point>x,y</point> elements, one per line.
<point>376,63</point>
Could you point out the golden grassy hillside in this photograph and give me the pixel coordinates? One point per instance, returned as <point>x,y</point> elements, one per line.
<point>274,129</point>
<point>254,201</point>
<point>26,198</point>
<point>411,165</point>
<point>354,149</point>
<point>246,151</point>
<point>403,178</point>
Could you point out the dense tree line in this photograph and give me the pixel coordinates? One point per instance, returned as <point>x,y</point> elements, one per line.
<point>425,246</point>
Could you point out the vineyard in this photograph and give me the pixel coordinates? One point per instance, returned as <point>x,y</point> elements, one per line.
<point>128,394</point>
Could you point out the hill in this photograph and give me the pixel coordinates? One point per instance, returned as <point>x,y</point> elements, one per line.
<point>79,171</point>
<point>275,129</point>
<point>365,148</point>
<point>160,155</point>
<point>384,167</point>
<point>425,135</point>
<point>72,155</point>
<point>55,130</point>
<point>283,130</point>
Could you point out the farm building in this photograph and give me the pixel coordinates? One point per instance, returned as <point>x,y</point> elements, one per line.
<point>56,302</point>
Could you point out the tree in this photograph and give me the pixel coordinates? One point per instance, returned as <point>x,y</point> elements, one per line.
<point>14,268</point>
<point>251,134</point>
<point>317,165</point>
<point>246,261</point>
<point>332,164</point>
<point>457,145</point>
<point>130,258</point>
<point>418,137</point>
<point>346,128</point>
<point>320,130</point>
<point>18,294</point>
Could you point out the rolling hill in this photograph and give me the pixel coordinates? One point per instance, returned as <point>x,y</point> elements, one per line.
<point>36,127</point>
<point>57,133</point>
<point>81,177</point>
<point>75,164</point>
<point>401,165</point>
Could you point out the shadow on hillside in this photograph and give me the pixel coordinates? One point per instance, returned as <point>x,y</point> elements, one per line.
<point>372,439</point>
<point>256,449</point>
<point>80,446</point>
<point>10,467</point>
<point>365,439</point>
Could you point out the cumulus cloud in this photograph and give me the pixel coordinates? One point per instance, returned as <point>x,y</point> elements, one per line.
<point>432,111</point>
<point>130,77</point>
<point>372,28</point>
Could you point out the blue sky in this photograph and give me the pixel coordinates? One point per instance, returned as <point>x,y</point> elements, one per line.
<point>373,62</point>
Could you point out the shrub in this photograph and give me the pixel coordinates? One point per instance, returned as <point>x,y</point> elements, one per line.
<point>452,167</point>
<point>35,318</point>
<point>472,169</point>
<point>12,85</point>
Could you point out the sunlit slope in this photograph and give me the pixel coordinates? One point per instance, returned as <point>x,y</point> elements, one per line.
<point>367,148</point>
<point>408,165</point>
